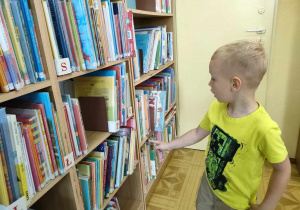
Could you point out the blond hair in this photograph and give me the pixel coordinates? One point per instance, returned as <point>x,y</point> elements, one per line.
<point>246,59</point>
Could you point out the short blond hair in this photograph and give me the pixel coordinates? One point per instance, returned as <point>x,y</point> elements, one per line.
<point>247,59</point>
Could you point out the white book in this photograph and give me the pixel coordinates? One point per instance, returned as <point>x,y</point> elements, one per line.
<point>44,148</point>
<point>138,120</point>
<point>140,94</point>
<point>78,153</point>
<point>109,31</point>
<point>155,45</point>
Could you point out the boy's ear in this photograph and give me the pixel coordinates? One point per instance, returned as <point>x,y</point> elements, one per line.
<point>236,83</point>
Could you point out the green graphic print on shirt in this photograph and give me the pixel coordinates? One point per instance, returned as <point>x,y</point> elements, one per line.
<point>221,151</point>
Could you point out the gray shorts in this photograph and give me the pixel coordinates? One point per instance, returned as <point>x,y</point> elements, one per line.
<point>207,200</point>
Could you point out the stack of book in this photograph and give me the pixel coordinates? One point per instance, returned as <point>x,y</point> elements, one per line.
<point>151,158</point>
<point>113,84</point>
<point>161,6</point>
<point>85,34</point>
<point>154,98</point>
<point>31,146</point>
<point>20,60</point>
<point>75,125</point>
<point>154,47</point>
<point>104,169</point>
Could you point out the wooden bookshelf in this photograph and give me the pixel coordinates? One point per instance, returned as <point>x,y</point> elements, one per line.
<point>152,73</point>
<point>146,14</point>
<point>64,191</point>
<point>25,90</point>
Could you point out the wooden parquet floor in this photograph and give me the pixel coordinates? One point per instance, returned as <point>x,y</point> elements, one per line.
<point>178,187</point>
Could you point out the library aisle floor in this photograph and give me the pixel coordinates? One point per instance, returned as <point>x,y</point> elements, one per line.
<point>179,184</point>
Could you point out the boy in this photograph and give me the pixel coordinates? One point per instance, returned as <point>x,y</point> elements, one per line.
<point>242,134</point>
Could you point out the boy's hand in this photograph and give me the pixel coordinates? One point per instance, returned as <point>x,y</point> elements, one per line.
<point>160,145</point>
<point>257,206</point>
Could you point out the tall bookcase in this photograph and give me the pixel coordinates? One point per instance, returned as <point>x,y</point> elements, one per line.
<point>64,191</point>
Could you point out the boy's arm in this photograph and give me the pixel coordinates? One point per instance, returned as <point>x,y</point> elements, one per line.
<point>278,182</point>
<point>191,137</point>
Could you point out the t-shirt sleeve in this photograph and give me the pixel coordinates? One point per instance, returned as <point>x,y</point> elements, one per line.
<point>205,123</point>
<point>272,146</point>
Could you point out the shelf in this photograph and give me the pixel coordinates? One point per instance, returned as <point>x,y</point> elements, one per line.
<point>80,73</point>
<point>111,195</point>
<point>94,138</point>
<point>25,90</point>
<point>45,189</point>
<point>145,139</point>
<point>129,204</point>
<point>146,14</point>
<point>151,73</point>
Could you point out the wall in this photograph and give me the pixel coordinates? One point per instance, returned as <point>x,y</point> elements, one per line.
<point>283,91</point>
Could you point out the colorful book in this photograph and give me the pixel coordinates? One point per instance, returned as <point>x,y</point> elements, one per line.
<point>4,200</point>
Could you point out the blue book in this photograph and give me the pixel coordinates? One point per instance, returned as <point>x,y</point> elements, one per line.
<point>112,22</point>
<point>115,144</point>
<point>85,183</point>
<point>29,24</point>
<point>44,98</point>
<point>123,93</point>
<point>9,156</point>
<point>58,29</point>
<point>88,15</point>
<point>16,11</point>
<point>97,178</point>
<point>116,15</point>
<point>142,43</point>
<point>85,34</point>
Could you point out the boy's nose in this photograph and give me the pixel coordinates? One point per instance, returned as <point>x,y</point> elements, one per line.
<point>209,84</point>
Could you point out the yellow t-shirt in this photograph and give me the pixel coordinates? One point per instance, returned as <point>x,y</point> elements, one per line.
<point>236,152</point>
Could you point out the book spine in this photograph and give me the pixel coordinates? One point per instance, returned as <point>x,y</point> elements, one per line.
<point>16,144</point>
<point>5,171</point>
<point>59,139</point>
<point>80,127</point>
<point>5,70</point>
<point>84,34</point>
<point>9,55</point>
<point>3,82</point>
<point>32,160</point>
<point>22,73</point>
<point>3,190</point>
<point>29,24</point>
<point>16,12</point>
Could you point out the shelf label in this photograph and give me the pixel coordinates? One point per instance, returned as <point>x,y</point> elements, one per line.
<point>69,161</point>
<point>19,204</point>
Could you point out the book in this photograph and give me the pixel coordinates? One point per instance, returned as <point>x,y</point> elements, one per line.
<point>3,190</point>
<point>19,23</point>
<point>8,149</point>
<point>17,149</point>
<point>3,81</point>
<point>22,71</point>
<point>80,124</point>
<point>44,98</point>
<point>9,54</point>
<point>7,79</point>
<point>85,186</point>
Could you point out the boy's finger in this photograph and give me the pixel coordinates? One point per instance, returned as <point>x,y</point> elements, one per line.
<point>155,142</point>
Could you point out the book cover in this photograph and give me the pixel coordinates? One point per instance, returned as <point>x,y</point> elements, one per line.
<point>43,97</point>
<point>15,42</point>
<point>9,54</point>
<point>17,149</point>
<point>3,189</point>
<point>19,23</point>
<point>79,124</point>
<point>32,161</point>
<point>4,68</point>
<point>86,194</point>
<point>10,160</point>
<point>82,21</point>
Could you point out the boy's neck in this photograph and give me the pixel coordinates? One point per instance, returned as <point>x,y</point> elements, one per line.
<point>242,107</point>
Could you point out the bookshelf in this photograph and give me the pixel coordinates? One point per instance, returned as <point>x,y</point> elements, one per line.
<point>64,191</point>
<point>148,19</point>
